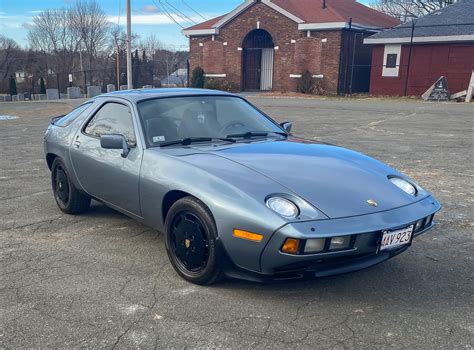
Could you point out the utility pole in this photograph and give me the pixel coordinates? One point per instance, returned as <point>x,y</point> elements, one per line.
<point>129,46</point>
<point>118,64</point>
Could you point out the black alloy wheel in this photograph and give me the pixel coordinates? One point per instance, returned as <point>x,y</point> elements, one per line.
<point>191,241</point>
<point>69,199</point>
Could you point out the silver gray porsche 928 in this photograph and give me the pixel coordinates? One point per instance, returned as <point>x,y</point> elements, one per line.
<point>235,193</point>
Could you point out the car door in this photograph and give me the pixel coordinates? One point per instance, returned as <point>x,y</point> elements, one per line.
<point>104,173</point>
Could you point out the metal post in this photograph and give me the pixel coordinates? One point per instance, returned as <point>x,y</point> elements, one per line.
<point>346,33</point>
<point>409,56</point>
<point>353,62</point>
<point>187,68</point>
<point>118,67</point>
<point>57,82</point>
<point>129,46</point>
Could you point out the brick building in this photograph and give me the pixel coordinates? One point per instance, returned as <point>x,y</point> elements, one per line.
<point>267,44</point>
<point>443,45</point>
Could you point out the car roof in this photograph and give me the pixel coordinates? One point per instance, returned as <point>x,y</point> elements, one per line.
<point>138,95</point>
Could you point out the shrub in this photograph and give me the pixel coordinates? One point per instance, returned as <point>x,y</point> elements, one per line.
<point>306,83</point>
<point>197,79</point>
<point>221,84</point>
<point>213,84</point>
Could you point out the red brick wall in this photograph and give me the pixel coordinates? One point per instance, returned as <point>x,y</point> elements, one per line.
<point>428,63</point>
<point>291,58</point>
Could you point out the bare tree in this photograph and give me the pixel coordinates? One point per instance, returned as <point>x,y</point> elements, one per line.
<point>91,24</point>
<point>406,10</point>
<point>150,44</point>
<point>9,51</point>
<point>53,33</point>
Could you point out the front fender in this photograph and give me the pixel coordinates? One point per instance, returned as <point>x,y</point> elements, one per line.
<point>214,181</point>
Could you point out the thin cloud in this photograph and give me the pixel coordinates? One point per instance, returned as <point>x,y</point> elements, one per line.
<point>150,8</point>
<point>17,21</point>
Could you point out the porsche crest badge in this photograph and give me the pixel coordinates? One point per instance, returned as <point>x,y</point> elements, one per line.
<point>372,203</point>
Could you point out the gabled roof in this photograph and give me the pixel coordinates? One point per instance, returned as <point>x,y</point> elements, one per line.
<point>452,23</point>
<point>312,11</point>
<point>309,15</point>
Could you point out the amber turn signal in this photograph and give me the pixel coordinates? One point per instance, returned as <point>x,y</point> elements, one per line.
<point>249,236</point>
<point>291,246</point>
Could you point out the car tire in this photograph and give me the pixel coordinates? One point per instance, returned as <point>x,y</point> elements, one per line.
<point>68,198</point>
<point>191,241</point>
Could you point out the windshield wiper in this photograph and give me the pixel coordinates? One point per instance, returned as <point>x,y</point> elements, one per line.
<point>189,140</point>
<point>250,134</point>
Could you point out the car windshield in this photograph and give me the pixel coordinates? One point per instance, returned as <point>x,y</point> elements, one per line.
<point>203,119</point>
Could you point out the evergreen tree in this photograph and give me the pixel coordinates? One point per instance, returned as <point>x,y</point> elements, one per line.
<point>42,87</point>
<point>13,90</point>
<point>137,83</point>
<point>197,79</point>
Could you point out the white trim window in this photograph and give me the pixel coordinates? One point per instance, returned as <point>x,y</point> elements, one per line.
<point>391,60</point>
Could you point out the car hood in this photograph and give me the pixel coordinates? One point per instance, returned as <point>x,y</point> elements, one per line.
<point>337,181</point>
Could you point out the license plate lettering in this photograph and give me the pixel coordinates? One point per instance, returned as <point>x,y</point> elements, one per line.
<point>396,239</point>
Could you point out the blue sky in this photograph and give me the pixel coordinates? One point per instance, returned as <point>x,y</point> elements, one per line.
<point>147,17</point>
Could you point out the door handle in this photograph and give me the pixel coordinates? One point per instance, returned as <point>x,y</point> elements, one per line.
<point>77,144</point>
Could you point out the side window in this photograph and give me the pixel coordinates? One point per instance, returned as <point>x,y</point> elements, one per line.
<point>71,117</point>
<point>112,118</point>
<point>391,60</point>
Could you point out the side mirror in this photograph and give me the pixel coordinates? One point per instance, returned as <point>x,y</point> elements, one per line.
<point>115,142</point>
<point>55,119</point>
<point>287,126</point>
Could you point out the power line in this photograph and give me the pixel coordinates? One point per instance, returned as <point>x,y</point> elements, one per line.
<point>192,9</point>
<point>177,11</point>
<point>172,12</point>
<point>166,13</point>
<point>120,12</point>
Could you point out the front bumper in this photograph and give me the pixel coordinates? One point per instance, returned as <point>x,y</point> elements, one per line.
<point>366,231</point>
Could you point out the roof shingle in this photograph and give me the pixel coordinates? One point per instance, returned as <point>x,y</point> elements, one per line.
<point>453,20</point>
<point>313,11</point>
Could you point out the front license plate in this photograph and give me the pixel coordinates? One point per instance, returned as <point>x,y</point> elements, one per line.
<point>395,239</point>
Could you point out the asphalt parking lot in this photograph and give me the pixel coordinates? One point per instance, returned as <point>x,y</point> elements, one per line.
<point>101,280</point>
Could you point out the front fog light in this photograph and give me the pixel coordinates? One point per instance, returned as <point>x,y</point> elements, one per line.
<point>419,225</point>
<point>314,245</point>
<point>429,220</point>
<point>338,243</point>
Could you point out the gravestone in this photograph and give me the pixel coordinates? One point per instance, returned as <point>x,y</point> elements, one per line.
<point>52,94</point>
<point>74,92</point>
<point>63,96</point>
<point>438,91</point>
<point>110,88</point>
<point>8,98</point>
<point>93,91</point>
<point>123,87</point>
<point>21,97</point>
<point>15,98</point>
<point>42,97</point>
<point>148,87</point>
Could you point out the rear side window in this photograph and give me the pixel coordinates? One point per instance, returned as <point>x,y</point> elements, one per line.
<point>112,118</point>
<point>69,118</point>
